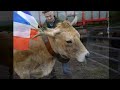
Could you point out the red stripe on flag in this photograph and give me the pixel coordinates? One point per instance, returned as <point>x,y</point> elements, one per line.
<point>33,33</point>
<point>23,43</point>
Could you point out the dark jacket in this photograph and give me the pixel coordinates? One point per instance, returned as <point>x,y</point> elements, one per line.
<point>51,25</point>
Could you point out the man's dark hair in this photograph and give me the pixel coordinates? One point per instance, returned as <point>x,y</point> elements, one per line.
<point>44,12</point>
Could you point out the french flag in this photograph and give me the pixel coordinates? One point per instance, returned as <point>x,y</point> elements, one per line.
<point>24,28</point>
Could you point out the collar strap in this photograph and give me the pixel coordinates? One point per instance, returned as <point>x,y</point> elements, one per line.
<point>48,46</point>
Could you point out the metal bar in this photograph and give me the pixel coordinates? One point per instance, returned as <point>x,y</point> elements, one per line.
<point>83,18</point>
<point>116,38</point>
<point>91,15</point>
<point>116,27</point>
<point>96,57</point>
<point>107,14</point>
<point>99,14</point>
<point>96,28</point>
<point>39,18</point>
<point>98,37</point>
<point>101,19</point>
<point>57,13</point>
<point>66,14</point>
<point>74,14</point>
<point>104,47</point>
<point>105,56</point>
<point>104,66</point>
<point>93,20</point>
<point>108,29</point>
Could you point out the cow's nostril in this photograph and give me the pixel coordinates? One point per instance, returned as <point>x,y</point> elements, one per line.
<point>87,55</point>
<point>69,41</point>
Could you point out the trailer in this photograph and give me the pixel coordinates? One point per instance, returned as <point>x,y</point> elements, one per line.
<point>84,17</point>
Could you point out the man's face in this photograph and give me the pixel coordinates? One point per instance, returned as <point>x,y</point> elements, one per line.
<point>49,16</point>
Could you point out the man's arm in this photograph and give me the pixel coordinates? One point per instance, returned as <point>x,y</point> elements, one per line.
<point>44,27</point>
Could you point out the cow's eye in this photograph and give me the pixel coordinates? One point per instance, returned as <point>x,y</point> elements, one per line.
<point>69,41</point>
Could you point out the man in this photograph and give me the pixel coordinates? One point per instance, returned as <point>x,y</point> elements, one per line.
<point>51,22</point>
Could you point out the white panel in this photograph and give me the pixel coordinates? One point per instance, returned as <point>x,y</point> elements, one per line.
<point>103,14</point>
<point>95,14</point>
<point>61,15</point>
<point>79,15</point>
<point>87,15</point>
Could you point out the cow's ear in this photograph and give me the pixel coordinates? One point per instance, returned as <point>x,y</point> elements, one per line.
<point>48,32</point>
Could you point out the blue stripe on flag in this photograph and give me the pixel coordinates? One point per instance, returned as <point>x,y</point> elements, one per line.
<point>18,18</point>
<point>27,12</point>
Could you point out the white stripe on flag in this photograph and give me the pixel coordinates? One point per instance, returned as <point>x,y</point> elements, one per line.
<point>21,30</point>
<point>29,18</point>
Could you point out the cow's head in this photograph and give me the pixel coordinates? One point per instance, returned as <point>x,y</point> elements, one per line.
<point>66,41</point>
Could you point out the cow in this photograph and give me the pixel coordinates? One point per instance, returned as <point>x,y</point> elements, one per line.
<point>38,61</point>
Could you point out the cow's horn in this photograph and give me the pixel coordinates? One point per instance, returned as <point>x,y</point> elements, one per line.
<point>74,21</point>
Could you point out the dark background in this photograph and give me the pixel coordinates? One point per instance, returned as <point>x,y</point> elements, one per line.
<point>115,43</point>
<point>6,44</point>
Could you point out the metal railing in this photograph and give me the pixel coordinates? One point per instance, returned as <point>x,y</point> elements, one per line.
<point>92,43</point>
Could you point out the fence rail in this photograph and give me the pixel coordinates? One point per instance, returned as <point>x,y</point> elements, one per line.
<point>97,47</point>
<point>104,47</point>
<point>104,66</point>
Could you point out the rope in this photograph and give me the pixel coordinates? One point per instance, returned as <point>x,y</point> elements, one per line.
<point>39,19</point>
